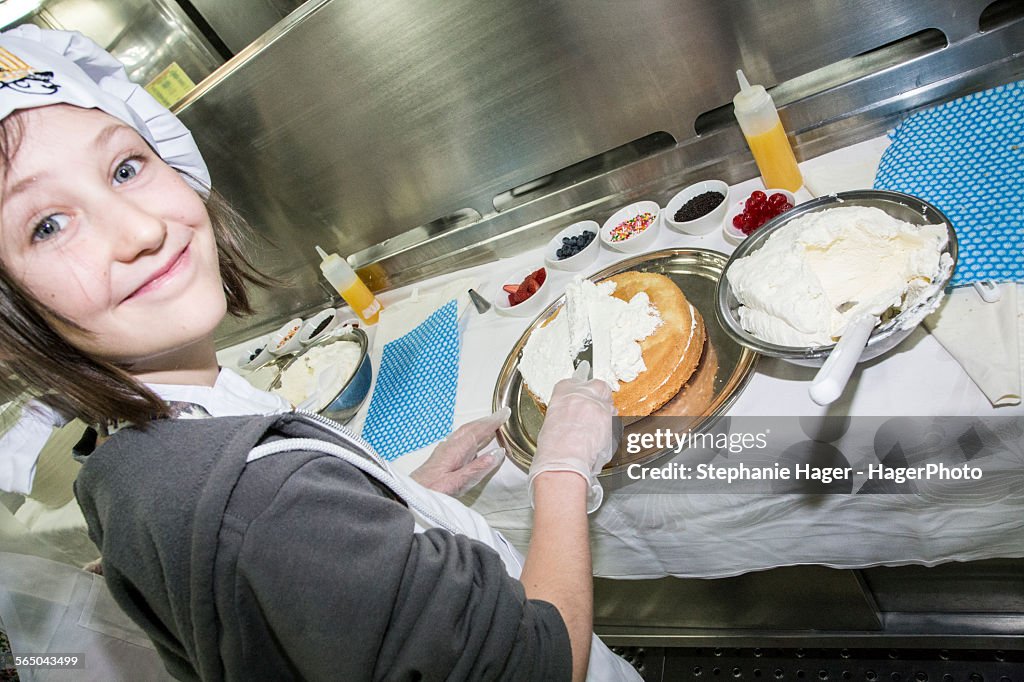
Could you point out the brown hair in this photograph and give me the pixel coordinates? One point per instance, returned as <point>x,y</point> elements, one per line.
<point>37,362</point>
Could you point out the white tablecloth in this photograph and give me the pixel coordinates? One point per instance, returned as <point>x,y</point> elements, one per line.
<point>644,535</point>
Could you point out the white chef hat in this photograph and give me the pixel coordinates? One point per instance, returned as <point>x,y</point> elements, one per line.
<point>39,67</point>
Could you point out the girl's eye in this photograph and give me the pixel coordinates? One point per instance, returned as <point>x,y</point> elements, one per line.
<point>127,170</point>
<point>49,227</point>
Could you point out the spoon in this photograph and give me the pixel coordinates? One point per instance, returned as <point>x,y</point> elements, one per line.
<point>829,382</point>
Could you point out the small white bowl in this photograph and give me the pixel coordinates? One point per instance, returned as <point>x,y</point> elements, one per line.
<point>733,235</point>
<point>306,334</point>
<point>706,223</point>
<point>582,259</point>
<point>256,355</point>
<point>286,339</point>
<point>530,306</point>
<point>638,242</point>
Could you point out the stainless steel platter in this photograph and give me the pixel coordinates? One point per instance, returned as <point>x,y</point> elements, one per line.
<point>724,370</point>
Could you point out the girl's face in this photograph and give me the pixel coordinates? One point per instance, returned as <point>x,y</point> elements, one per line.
<point>100,230</point>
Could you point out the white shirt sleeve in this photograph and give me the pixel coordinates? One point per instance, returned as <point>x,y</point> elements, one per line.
<point>22,439</point>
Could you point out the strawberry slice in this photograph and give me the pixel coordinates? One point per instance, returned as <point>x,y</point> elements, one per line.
<point>527,288</point>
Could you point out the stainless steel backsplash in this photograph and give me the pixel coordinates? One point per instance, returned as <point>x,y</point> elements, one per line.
<point>421,137</point>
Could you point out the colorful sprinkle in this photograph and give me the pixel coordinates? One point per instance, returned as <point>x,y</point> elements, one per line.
<point>633,226</point>
<point>288,337</point>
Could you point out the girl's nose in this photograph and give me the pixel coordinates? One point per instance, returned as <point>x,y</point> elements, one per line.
<point>138,230</point>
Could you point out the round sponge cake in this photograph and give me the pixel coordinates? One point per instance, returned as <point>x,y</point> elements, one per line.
<point>671,353</point>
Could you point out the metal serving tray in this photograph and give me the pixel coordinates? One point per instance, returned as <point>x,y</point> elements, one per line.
<point>723,372</point>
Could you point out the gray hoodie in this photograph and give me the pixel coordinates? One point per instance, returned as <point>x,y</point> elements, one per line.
<point>298,566</point>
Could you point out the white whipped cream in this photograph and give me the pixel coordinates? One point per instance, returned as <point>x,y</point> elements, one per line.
<point>611,326</point>
<point>821,271</point>
<point>315,377</point>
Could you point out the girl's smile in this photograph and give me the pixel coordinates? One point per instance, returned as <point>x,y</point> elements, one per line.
<point>164,275</point>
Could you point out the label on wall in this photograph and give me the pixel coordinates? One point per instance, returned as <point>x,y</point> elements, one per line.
<point>170,85</point>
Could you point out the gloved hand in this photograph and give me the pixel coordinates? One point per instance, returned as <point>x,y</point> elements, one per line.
<point>577,434</point>
<point>456,465</point>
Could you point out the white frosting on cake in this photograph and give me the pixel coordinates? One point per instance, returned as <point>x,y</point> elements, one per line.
<point>612,327</point>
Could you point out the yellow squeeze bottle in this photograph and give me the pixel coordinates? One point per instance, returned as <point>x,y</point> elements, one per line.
<point>766,137</point>
<point>343,278</point>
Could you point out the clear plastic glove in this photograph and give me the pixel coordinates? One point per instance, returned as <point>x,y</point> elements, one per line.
<point>577,434</point>
<point>456,465</point>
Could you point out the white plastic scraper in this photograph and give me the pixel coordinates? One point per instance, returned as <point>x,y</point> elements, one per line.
<point>831,379</point>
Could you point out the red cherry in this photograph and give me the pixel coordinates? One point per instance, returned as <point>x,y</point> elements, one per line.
<point>738,220</point>
<point>777,199</point>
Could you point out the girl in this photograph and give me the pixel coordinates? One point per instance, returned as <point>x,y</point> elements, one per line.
<point>248,541</point>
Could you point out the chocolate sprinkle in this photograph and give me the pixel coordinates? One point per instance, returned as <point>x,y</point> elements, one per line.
<point>698,207</point>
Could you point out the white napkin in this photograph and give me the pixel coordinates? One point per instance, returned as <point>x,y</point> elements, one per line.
<point>847,169</point>
<point>399,318</point>
<point>981,337</point>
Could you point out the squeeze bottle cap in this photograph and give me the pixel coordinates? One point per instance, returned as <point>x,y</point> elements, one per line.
<point>750,97</point>
<point>335,268</point>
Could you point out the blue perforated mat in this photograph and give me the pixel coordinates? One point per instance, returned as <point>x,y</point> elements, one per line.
<point>413,402</point>
<point>967,158</point>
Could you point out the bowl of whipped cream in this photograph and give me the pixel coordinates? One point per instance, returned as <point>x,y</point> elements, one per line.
<point>331,376</point>
<point>792,288</point>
